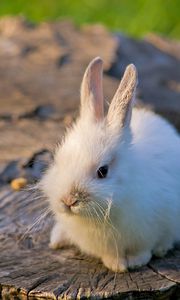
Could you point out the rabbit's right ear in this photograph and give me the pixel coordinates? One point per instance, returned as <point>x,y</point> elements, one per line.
<point>92,103</point>
<point>119,114</point>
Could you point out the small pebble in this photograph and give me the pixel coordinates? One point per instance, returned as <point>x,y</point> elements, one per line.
<point>68,119</point>
<point>18,183</point>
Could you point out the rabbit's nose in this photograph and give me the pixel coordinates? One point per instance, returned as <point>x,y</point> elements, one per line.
<point>70,200</point>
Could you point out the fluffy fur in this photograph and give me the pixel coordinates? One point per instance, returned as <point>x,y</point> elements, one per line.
<point>135,211</point>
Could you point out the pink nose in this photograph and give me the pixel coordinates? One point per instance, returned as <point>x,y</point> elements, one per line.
<point>69,200</point>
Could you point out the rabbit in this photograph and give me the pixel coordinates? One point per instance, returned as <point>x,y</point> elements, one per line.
<point>114,184</point>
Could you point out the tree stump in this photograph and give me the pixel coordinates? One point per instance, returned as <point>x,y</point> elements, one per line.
<point>40,71</point>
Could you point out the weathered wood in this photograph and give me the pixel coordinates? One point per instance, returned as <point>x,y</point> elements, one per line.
<point>41,71</point>
<point>40,74</point>
<point>28,267</point>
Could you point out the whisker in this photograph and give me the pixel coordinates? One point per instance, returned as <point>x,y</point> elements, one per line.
<point>102,229</point>
<point>106,214</point>
<point>36,222</point>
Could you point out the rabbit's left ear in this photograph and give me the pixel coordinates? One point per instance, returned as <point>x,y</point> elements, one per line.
<point>119,114</point>
<point>92,91</point>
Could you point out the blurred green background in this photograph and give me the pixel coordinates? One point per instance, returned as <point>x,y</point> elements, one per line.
<point>135,17</point>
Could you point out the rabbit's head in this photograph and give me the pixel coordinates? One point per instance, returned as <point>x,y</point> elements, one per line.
<point>90,164</point>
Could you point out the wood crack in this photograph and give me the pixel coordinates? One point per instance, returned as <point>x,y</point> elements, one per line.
<point>64,288</point>
<point>162,275</point>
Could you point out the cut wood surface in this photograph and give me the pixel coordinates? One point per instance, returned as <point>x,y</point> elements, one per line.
<point>40,74</point>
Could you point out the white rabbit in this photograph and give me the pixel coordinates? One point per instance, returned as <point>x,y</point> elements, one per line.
<point>114,185</point>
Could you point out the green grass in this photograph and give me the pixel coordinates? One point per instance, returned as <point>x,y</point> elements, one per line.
<point>135,17</point>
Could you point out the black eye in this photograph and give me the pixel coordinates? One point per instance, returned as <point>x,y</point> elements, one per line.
<point>102,172</point>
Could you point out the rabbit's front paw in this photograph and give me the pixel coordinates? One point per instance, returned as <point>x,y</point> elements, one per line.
<point>58,238</point>
<point>139,260</point>
<point>57,244</point>
<point>115,264</point>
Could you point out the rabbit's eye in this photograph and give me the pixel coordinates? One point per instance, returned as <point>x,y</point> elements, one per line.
<point>102,172</point>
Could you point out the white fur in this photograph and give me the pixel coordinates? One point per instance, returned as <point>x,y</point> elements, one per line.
<point>132,213</point>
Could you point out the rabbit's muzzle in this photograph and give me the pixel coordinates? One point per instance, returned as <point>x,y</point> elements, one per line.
<point>75,196</point>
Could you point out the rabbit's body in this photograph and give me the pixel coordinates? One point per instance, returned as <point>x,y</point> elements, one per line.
<point>133,212</point>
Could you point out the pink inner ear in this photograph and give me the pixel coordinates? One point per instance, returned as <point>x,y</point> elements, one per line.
<point>92,91</point>
<point>119,114</point>
<point>97,89</point>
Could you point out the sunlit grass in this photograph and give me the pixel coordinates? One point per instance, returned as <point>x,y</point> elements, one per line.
<point>135,17</point>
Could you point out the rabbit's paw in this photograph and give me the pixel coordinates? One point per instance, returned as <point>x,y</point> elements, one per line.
<point>138,260</point>
<point>57,238</point>
<point>115,264</point>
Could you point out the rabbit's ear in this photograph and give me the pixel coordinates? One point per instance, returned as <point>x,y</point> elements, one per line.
<point>119,114</point>
<point>92,91</point>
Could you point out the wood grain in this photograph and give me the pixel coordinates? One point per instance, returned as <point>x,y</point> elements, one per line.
<point>29,267</point>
